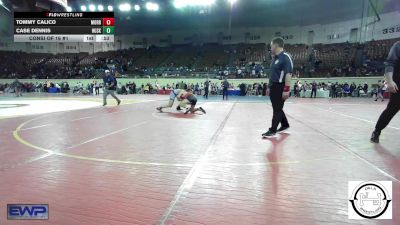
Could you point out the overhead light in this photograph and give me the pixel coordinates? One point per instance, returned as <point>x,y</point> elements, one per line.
<point>92,7</point>
<point>184,3</point>
<point>152,6</point>
<point>110,8</point>
<point>179,4</point>
<point>100,8</point>
<point>232,1</point>
<point>2,4</point>
<point>149,5</point>
<point>69,9</point>
<point>83,8</point>
<point>137,7</point>
<point>125,7</point>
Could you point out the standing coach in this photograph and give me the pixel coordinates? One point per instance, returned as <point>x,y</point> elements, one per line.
<point>225,86</point>
<point>206,88</point>
<point>110,86</point>
<point>392,77</point>
<point>279,85</point>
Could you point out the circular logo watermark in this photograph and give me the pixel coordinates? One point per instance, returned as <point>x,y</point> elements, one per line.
<point>370,199</point>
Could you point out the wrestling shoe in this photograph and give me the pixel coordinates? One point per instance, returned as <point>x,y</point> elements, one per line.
<point>159,109</point>
<point>204,111</point>
<point>375,136</point>
<point>178,108</point>
<point>282,128</point>
<point>269,134</point>
<point>119,102</point>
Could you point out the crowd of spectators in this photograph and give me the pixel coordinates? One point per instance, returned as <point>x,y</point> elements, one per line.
<point>236,61</point>
<point>338,90</point>
<point>30,87</point>
<point>300,88</point>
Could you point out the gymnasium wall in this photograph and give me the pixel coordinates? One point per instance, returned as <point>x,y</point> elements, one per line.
<point>388,27</point>
<point>323,33</point>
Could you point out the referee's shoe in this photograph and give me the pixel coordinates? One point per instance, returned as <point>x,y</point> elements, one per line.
<point>270,133</point>
<point>282,128</point>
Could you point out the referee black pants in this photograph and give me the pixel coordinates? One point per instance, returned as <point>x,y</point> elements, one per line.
<point>205,93</point>
<point>224,94</point>
<point>313,92</point>
<point>279,117</point>
<point>387,115</point>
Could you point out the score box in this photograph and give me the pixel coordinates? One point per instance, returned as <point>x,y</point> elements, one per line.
<point>108,30</point>
<point>104,38</point>
<point>108,21</point>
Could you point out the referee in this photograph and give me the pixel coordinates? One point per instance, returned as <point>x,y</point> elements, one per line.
<point>392,77</point>
<point>110,86</point>
<point>279,85</point>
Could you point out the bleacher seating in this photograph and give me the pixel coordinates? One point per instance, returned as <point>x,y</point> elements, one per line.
<point>213,55</point>
<point>153,57</point>
<point>378,50</point>
<point>250,53</point>
<point>182,56</point>
<point>323,58</point>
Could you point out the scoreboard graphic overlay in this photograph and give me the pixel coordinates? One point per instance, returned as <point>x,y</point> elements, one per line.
<point>63,26</point>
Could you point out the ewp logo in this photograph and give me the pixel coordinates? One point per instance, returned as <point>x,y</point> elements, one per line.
<point>28,211</point>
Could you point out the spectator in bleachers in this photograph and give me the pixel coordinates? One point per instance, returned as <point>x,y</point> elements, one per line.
<point>365,88</point>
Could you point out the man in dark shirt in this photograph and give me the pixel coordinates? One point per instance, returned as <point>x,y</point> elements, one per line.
<point>225,86</point>
<point>314,89</point>
<point>110,86</point>
<point>17,87</point>
<point>392,77</point>
<point>333,90</point>
<point>365,88</point>
<point>279,85</point>
<point>352,89</point>
<point>206,88</point>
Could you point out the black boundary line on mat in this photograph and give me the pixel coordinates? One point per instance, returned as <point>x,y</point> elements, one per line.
<point>9,106</point>
<point>346,149</point>
<point>193,173</point>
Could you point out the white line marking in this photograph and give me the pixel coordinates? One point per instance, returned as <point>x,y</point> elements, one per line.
<point>196,169</point>
<point>106,135</point>
<point>73,120</point>
<point>338,104</point>
<point>346,149</point>
<point>25,161</point>
<point>19,139</point>
<point>353,117</point>
<point>35,127</point>
<point>83,118</point>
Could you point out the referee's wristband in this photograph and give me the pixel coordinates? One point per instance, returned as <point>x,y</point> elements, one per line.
<point>286,89</point>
